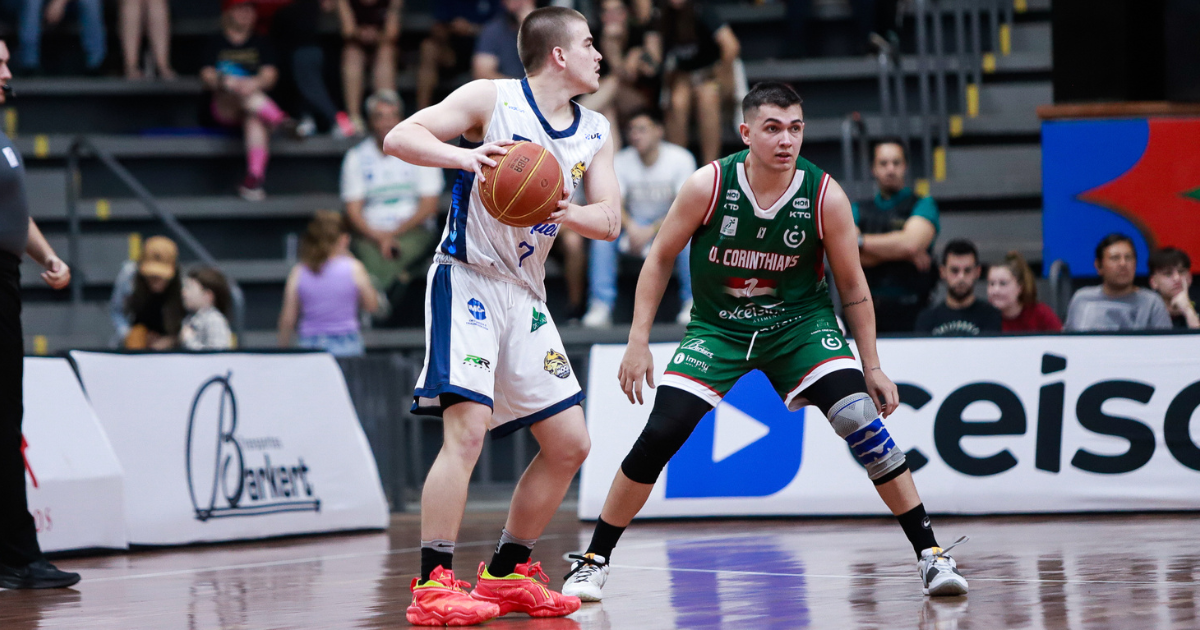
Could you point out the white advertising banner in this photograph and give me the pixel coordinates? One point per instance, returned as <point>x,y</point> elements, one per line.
<point>230,446</point>
<point>989,425</point>
<point>72,478</point>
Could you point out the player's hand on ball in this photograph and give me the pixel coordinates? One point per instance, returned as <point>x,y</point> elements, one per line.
<point>882,390</point>
<point>560,215</point>
<point>57,273</point>
<point>475,159</point>
<point>637,364</point>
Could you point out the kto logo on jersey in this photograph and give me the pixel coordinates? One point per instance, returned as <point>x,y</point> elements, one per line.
<point>733,195</point>
<point>556,364</point>
<point>729,226</point>
<point>577,172</point>
<point>728,442</point>
<point>793,239</point>
<point>801,203</point>
<point>478,313</point>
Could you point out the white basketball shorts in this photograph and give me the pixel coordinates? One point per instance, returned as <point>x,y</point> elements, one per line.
<point>492,342</point>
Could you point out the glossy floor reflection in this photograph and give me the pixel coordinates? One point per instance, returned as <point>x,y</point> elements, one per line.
<point>1118,572</point>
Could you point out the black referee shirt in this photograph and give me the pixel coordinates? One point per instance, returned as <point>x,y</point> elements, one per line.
<point>14,205</point>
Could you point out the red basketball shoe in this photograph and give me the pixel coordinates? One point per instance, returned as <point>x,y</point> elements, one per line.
<point>443,601</point>
<point>521,591</point>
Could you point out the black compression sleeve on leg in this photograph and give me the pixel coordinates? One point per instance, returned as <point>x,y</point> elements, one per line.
<point>835,386</point>
<point>676,414</point>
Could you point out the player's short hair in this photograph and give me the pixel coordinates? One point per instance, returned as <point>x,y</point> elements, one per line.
<point>1169,258</point>
<point>960,247</point>
<point>542,31</point>
<point>1113,239</point>
<point>384,97</point>
<point>774,93</point>
<point>653,113</point>
<point>889,140</point>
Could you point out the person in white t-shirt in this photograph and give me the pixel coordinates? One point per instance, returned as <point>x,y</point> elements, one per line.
<point>391,204</point>
<point>651,173</point>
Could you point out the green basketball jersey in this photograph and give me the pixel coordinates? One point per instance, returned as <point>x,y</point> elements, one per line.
<point>757,268</point>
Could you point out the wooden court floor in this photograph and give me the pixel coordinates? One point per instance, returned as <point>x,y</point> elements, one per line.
<point>1103,572</point>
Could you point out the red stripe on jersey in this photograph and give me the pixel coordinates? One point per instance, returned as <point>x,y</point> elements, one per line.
<point>820,206</point>
<point>705,385</point>
<point>712,205</point>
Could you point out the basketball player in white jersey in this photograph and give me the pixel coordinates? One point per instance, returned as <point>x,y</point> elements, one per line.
<point>494,359</point>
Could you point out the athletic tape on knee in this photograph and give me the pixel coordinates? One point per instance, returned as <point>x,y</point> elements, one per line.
<point>856,420</point>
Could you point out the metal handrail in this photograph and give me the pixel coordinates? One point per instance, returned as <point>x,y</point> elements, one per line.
<point>80,147</point>
<point>1060,284</point>
<point>856,182</point>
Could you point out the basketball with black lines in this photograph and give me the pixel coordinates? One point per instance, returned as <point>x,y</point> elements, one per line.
<point>524,187</point>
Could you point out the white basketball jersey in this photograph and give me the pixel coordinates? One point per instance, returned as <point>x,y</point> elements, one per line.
<point>472,236</point>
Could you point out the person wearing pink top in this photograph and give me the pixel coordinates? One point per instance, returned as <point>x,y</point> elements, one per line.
<point>1013,291</point>
<point>324,293</point>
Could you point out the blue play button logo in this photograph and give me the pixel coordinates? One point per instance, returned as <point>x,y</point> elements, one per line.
<point>749,446</point>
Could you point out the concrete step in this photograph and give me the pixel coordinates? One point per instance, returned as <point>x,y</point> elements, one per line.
<point>1009,109</point>
<point>102,255</point>
<point>867,68</point>
<point>56,146</point>
<point>991,172</point>
<point>996,232</point>
<point>193,208</point>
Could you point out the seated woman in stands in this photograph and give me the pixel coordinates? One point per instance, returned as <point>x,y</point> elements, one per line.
<point>239,69</point>
<point>325,291</point>
<point>698,52</point>
<point>147,302</point>
<point>1012,290</point>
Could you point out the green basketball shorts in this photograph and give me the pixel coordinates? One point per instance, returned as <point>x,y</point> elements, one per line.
<point>710,359</point>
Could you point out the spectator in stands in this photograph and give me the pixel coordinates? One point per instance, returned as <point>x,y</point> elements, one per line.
<point>496,49</point>
<point>698,52</point>
<point>154,17</point>
<point>961,315</point>
<point>1116,304</point>
<point>368,26</point>
<point>650,173</point>
<point>92,34</point>
<point>1011,288</point>
<point>147,298</point>
<point>295,34</point>
<point>325,291</point>
<point>209,303</point>
<point>239,69</point>
<point>629,78</point>
<point>896,233</point>
<point>1171,277</point>
<point>451,42</point>
<point>390,204</point>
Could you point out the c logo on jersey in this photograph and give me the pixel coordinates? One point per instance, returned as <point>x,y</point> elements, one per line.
<point>800,204</point>
<point>793,239</point>
<point>831,343</point>
<point>556,364</point>
<point>577,172</point>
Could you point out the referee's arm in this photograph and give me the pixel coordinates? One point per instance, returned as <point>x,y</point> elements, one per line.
<point>57,274</point>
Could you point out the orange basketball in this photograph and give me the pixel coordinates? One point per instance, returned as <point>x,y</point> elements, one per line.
<point>524,187</point>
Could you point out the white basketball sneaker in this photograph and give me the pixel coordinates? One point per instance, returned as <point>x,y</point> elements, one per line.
<point>939,572</point>
<point>586,579</point>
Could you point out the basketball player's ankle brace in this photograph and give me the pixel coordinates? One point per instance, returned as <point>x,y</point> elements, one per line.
<point>856,420</point>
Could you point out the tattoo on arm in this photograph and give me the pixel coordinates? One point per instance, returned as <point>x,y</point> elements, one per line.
<point>612,229</point>
<point>849,304</point>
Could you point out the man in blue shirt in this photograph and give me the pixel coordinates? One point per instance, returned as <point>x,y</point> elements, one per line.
<point>451,42</point>
<point>896,233</point>
<point>496,49</point>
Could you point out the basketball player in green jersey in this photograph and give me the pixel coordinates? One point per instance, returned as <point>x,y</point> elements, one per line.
<point>760,223</point>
